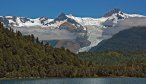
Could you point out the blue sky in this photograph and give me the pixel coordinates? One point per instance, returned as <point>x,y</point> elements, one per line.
<point>51,8</point>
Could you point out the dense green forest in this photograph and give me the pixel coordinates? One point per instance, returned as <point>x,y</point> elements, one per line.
<point>132,39</point>
<point>25,57</point>
<point>115,58</point>
<point>132,64</point>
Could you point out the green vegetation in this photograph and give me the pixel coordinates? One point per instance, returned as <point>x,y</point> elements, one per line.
<point>132,39</point>
<point>25,57</point>
<point>115,63</point>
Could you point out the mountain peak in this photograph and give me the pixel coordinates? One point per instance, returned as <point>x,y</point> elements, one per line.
<point>62,14</point>
<point>61,17</point>
<point>114,11</point>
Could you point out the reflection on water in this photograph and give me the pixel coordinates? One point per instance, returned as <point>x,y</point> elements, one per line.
<point>78,81</point>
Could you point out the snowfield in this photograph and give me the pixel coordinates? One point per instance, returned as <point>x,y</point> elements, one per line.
<point>97,29</point>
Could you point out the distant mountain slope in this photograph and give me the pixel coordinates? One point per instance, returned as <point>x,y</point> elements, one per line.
<point>133,39</point>
<point>83,32</point>
<point>116,15</point>
<point>16,21</point>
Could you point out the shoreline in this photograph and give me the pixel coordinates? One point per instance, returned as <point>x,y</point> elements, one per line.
<point>34,78</point>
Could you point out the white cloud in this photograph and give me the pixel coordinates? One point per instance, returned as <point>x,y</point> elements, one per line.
<point>46,34</point>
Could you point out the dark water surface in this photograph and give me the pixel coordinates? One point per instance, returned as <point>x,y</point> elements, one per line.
<point>77,81</point>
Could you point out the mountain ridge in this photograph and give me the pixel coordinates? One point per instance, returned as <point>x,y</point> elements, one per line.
<point>90,30</point>
<point>46,20</point>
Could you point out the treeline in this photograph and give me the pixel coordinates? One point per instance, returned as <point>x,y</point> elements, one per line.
<point>117,63</point>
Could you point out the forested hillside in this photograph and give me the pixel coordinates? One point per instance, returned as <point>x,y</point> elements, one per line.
<point>25,56</point>
<point>115,63</point>
<point>130,40</point>
<point>113,58</point>
<point>125,51</point>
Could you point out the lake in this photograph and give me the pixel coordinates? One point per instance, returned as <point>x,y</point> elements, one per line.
<point>77,81</point>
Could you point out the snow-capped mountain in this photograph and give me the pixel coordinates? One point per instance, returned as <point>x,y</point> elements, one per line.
<point>116,15</point>
<point>62,18</point>
<point>14,21</point>
<point>110,24</point>
<point>85,32</point>
<point>88,20</point>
